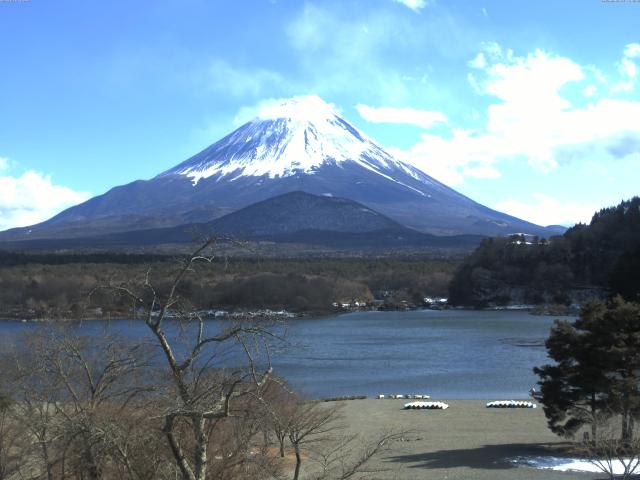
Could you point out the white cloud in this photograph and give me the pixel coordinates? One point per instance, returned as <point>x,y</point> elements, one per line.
<point>240,82</point>
<point>308,32</point>
<point>32,198</point>
<point>377,56</point>
<point>628,69</point>
<point>625,86</point>
<point>415,5</point>
<point>529,80</point>
<point>407,116</point>
<point>450,159</point>
<point>320,36</point>
<point>305,106</point>
<point>298,107</point>
<point>481,171</point>
<point>495,52</point>
<point>545,210</point>
<point>479,61</point>
<point>531,120</point>
<point>632,50</point>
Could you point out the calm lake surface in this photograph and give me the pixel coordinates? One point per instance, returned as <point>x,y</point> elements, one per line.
<point>445,354</point>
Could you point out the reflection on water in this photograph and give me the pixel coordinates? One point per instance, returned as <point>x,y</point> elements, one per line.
<point>446,353</point>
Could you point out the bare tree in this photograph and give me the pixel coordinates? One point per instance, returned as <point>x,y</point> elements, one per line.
<point>76,402</point>
<point>310,422</point>
<point>199,389</point>
<point>315,431</point>
<point>12,443</point>
<point>190,401</point>
<point>99,385</point>
<point>616,457</point>
<point>280,404</point>
<point>342,458</point>
<point>36,410</point>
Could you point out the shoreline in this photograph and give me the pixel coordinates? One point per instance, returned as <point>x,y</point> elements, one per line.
<point>465,441</point>
<point>284,314</point>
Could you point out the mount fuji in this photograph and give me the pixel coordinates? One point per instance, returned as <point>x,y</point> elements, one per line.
<point>301,144</point>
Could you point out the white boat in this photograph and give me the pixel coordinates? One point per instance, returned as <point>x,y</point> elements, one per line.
<point>426,405</point>
<point>511,404</point>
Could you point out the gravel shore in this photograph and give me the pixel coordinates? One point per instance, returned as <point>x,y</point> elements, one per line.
<point>466,441</point>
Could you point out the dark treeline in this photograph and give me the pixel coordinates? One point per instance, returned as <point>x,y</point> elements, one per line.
<point>586,259</point>
<point>11,259</point>
<point>60,290</point>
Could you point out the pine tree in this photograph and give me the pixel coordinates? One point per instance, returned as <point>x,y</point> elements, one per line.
<point>625,276</point>
<point>575,388</point>
<point>597,369</point>
<point>622,322</point>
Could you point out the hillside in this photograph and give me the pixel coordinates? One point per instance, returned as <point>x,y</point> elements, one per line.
<point>588,260</point>
<point>299,211</point>
<point>295,218</point>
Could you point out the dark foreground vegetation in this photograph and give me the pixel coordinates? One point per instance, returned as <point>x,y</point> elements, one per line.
<point>594,385</point>
<point>168,408</point>
<point>588,261</point>
<point>57,286</point>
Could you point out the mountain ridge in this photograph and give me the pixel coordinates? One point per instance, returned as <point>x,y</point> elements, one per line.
<point>299,145</point>
<point>291,218</point>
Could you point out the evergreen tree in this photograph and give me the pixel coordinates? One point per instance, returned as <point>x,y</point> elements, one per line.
<point>625,276</point>
<point>575,388</point>
<point>621,334</point>
<point>602,255</point>
<point>597,369</point>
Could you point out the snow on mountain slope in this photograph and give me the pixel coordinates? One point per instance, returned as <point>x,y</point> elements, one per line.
<point>297,136</point>
<point>301,144</point>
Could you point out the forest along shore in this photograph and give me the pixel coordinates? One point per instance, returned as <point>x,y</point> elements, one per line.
<point>465,441</point>
<point>53,286</point>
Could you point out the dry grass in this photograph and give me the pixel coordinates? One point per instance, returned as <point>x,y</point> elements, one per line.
<point>467,441</point>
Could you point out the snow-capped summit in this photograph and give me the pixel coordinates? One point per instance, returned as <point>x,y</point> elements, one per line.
<point>289,137</point>
<point>306,108</point>
<point>301,144</point>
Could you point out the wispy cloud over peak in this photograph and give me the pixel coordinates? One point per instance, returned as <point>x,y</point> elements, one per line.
<point>407,115</point>
<point>241,82</point>
<point>415,5</point>
<point>305,107</point>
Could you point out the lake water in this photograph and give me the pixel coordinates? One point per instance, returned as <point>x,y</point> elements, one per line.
<point>445,353</point>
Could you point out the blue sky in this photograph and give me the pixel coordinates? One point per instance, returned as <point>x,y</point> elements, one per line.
<point>529,107</point>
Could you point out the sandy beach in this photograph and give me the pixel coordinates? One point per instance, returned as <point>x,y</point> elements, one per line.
<point>466,441</point>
